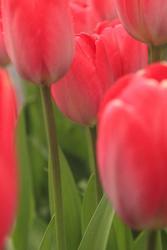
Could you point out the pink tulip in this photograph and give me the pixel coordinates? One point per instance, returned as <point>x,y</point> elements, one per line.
<point>99,60</point>
<point>113,58</point>
<point>105,8</point>
<point>132,147</point>
<point>145,20</point>
<point>8,176</point>
<point>85,17</point>
<point>38,37</point>
<point>79,93</point>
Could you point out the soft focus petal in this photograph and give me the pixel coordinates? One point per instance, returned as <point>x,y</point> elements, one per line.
<point>79,93</point>
<point>145,20</point>
<point>106,9</point>
<point>132,147</point>
<point>85,17</point>
<point>38,37</point>
<point>8,173</point>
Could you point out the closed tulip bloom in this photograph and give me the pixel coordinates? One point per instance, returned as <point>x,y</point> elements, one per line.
<point>8,177</point>
<point>106,9</point>
<point>38,37</point>
<point>132,147</point>
<point>100,59</point>
<point>79,93</point>
<point>146,20</point>
<point>85,17</point>
<point>113,46</point>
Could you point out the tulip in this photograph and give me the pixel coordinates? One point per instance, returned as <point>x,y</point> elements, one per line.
<point>38,37</point>
<point>112,52</point>
<point>4,59</point>
<point>106,9</point>
<point>85,17</point>
<point>99,60</point>
<point>146,21</point>
<point>79,93</point>
<point>8,177</point>
<point>132,148</point>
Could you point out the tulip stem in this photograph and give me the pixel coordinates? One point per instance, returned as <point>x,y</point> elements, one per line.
<point>155,53</point>
<point>152,240</point>
<point>93,162</point>
<point>54,173</point>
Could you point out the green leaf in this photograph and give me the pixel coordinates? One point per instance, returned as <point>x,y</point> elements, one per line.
<point>71,138</point>
<point>164,239</point>
<point>48,240</point>
<point>120,236</point>
<point>97,233</point>
<point>72,205</point>
<point>142,241</point>
<point>26,209</point>
<point>89,203</point>
<point>36,233</point>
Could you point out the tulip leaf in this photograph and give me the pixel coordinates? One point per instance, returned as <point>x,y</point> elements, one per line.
<point>26,205</point>
<point>97,232</point>
<point>72,211</point>
<point>142,241</point>
<point>89,202</point>
<point>48,240</point>
<point>120,236</point>
<point>164,239</point>
<point>72,205</point>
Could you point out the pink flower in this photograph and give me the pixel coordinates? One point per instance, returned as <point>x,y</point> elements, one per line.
<point>4,59</point>
<point>132,147</point>
<point>85,17</point>
<point>117,53</point>
<point>105,8</point>
<point>145,20</point>
<point>100,59</point>
<point>38,37</point>
<point>8,176</point>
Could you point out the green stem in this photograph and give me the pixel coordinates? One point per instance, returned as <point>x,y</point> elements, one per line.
<point>91,131</point>
<point>53,167</point>
<point>152,240</point>
<point>155,53</point>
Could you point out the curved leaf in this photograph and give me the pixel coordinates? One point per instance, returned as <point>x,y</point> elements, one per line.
<point>97,233</point>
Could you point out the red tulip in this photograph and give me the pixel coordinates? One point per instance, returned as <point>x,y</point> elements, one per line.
<point>99,60</point>
<point>132,147</point>
<point>38,37</point>
<point>4,59</point>
<point>147,20</point>
<point>85,17</point>
<point>79,93</point>
<point>112,52</point>
<point>8,176</point>
<point>105,8</point>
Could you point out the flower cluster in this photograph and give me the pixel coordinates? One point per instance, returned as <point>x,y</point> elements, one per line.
<point>92,57</point>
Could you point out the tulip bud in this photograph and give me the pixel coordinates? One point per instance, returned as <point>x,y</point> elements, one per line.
<point>132,147</point>
<point>4,59</point>
<point>99,60</point>
<point>146,21</point>
<point>38,37</point>
<point>85,17</point>
<point>8,176</point>
<point>79,93</point>
<point>112,52</point>
<point>106,9</point>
